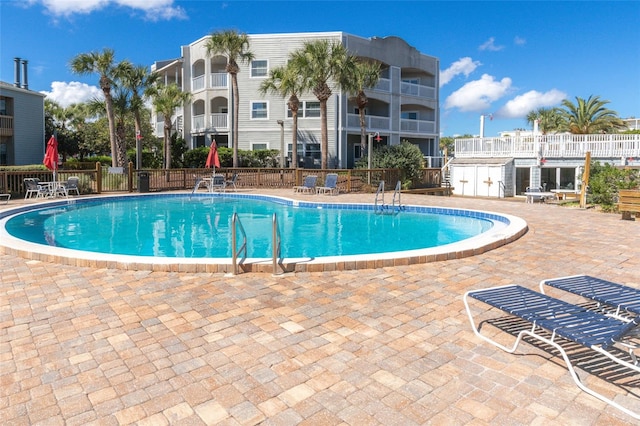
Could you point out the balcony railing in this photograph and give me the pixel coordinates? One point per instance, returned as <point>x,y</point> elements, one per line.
<point>372,122</point>
<point>378,123</point>
<point>417,126</point>
<point>6,125</point>
<point>220,121</point>
<point>218,80</point>
<point>197,83</point>
<point>418,90</point>
<point>551,146</point>
<point>198,124</point>
<point>384,85</point>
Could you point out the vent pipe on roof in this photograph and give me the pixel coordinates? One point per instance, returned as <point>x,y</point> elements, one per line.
<point>25,85</point>
<point>17,72</point>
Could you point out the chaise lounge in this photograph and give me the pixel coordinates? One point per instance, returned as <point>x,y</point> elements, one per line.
<point>552,319</point>
<point>308,185</point>
<point>617,299</point>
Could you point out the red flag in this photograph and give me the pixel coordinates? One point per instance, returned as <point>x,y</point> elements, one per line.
<point>212,159</point>
<point>51,154</point>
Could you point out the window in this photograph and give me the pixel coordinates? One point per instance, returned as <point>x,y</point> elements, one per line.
<point>259,68</point>
<point>259,110</point>
<point>411,80</point>
<point>357,151</point>
<point>259,146</point>
<point>312,109</point>
<point>312,150</point>
<point>307,109</point>
<point>409,115</point>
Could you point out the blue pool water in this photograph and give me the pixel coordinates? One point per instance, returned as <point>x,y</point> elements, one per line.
<point>200,226</point>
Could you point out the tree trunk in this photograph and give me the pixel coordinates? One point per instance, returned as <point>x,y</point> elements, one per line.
<point>121,145</point>
<point>138,126</point>
<point>167,144</point>
<point>324,141</point>
<point>294,140</point>
<point>236,111</point>
<point>108,102</point>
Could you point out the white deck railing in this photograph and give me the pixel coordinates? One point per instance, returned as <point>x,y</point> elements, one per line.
<point>550,146</point>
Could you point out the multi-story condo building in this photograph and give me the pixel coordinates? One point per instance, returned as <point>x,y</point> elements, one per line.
<point>403,105</point>
<point>21,121</point>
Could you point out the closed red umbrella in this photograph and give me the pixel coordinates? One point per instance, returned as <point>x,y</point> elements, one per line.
<point>51,155</point>
<point>212,159</point>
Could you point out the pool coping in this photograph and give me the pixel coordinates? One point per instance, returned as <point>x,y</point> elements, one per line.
<point>514,228</point>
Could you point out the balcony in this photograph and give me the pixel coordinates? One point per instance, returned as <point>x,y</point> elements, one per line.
<point>218,80</point>
<point>418,90</point>
<point>551,146</point>
<point>383,85</point>
<point>372,122</point>
<point>6,125</point>
<point>219,121</point>
<point>197,83</point>
<point>417,126</point>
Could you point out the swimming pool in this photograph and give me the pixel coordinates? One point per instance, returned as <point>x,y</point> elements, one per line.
<point>176,230</point>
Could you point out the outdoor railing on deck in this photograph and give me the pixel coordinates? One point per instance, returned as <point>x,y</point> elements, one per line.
<point>551,146</point>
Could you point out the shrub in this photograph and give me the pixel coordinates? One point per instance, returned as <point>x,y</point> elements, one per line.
<point>407,157</point>
<point>605,181</point>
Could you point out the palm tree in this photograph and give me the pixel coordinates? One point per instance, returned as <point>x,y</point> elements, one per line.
<point>549,119</point>
<point>322,62</point>
<point>235,46</point>
<point>121,109</point>
<point>166,99</point>
<point>363,75</point>
<point>102,63</point>
<point>138,80</point>
<point>590,116</point>
<point>286,81</point>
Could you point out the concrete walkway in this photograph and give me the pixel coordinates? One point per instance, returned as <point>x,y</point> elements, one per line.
<point>388,346</point>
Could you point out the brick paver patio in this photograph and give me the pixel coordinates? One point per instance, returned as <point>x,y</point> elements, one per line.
<point>388,346</point>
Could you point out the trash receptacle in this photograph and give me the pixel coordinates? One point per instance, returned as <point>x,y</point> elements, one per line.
<point>143,182</point>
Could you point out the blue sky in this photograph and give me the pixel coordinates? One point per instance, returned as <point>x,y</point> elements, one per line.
<point>503,58</point>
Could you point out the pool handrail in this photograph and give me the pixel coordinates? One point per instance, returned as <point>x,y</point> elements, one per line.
<point>235,223</point>
<point>277,243</point>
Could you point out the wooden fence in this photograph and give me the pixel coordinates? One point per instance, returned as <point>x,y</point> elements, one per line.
<point>107,179</point>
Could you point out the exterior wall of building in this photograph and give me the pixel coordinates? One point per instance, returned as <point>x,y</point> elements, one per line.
<point>205,118</point>
<point>24,144</point>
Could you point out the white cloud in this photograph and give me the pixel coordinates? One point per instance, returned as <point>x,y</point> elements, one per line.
<point>490,45</point>
<point>65,94</point>
<point>521,105</point>
<point>519,41</point>
<point>477,95</point>
<point>153,9</point>
<point>464,66</point>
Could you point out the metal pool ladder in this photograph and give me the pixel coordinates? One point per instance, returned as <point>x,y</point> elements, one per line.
<point>277,243</point>
<point>236,224</point>
<point>382,208</point>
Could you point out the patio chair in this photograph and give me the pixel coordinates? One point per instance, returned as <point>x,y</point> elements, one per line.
<point>73,185</point>
<point>231,182</point>
<point>34,189</point>
<point>552,319</point>
<point>216,183</point>
<point>614,298</point>
<point>330,185</point>
<point>5,198</point>
<point>308,185</point>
